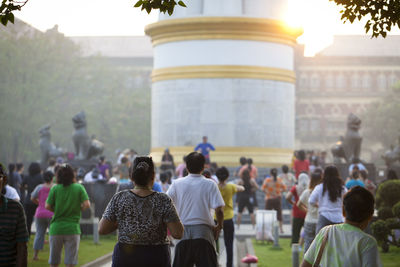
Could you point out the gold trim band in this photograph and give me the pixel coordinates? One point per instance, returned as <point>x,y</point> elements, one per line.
<point>223,71</point>
<point>232,28</point>
<point>229,156</point>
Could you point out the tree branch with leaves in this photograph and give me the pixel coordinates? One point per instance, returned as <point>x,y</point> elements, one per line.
<point>165,6</point>
<point>8,7</point>
<point>382,15</point>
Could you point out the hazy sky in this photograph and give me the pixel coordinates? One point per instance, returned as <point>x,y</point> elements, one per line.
<point>319,18</point>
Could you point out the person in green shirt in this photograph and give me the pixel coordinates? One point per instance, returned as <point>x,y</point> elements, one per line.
<point>67,199</point>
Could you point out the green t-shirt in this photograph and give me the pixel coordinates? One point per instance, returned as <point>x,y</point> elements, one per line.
<point>66,202</point>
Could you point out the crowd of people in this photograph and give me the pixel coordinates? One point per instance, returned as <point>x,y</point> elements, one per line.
<point>191,203</point>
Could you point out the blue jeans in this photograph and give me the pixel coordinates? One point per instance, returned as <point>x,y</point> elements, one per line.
<point>41,226</point>
<point>309,234</point>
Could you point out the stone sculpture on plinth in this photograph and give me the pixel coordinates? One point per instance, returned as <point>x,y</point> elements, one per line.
<point>85,148</point>
<point>349,146</point>
<point>47,148</point>
<point>392,157</point>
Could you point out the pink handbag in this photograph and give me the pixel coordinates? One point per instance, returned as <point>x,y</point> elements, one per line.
<point>250,259</point>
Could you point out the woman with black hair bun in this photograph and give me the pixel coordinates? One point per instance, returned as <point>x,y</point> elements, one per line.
<point>142,217</point>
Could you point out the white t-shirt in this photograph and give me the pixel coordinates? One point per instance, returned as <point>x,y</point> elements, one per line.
<point>89,179</point>
<point>330,210</point>
<point>11,193</point>
<point>312,211</point>
<point>359,165</point>
<point>194,197</point>
<point>347,246</point>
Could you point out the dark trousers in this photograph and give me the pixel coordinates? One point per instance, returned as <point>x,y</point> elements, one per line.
<point>297,224</point>
<point>29,212</point>
<point>229,233</point>
<point>195,251</point>
<point>125,255</point>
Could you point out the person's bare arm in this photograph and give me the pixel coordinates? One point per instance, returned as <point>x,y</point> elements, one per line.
<point>107,226</point>
<point>289,196</point>
<point>49,207</point>
<point>35,200</point>
<point>253,183</point>
<point>239,188</point>
<point>302,206</point>
<point>22,254</point>
<point>219,213</point>
<point>305,264</point>
<point>85,205</point>
<point>176,229</point>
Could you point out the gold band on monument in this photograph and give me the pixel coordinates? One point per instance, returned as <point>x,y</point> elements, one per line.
<point>231,28</point>
<point>223,71</point>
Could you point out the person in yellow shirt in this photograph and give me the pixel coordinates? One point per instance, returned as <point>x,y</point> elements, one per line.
<point>227,192</point>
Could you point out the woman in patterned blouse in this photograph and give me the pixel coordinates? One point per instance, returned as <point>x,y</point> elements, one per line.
<point>142,217</point>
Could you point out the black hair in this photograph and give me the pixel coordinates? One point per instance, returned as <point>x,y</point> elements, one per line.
<point>34,169</point>
<point>274,173</point>
<point>65,175</point>
<point>11,169</point>
<point>124,160</point>
<point>358,204</point>
<point>301,155</point>
<point>213,167</point>
<point>48,176</point>
<point>102,158</point>
<point>316,178</point>
<point>222,174</point>
<point>206,173</point>
<point>19,166</point>
<point>249,162</point>
<point>164,177</point>
<point>3,172</point>
<point>246,181</point>
<point>355,174</point>
<point>142,170</point>
<point>242,161</point>
<point>195,162</point>
<point>52,162</point>
<point>333,183</point>
<point>391,175</point>
<point>185,172</point>
<point>285,169</point>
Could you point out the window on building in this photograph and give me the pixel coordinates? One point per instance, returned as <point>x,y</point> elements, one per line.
<point>329,83</point>
<point>340,81</point>
<point>366,81</point>
<point>303,125</point>
<point>381,81</point>
<point>303,80</point>
<point>393,80</point>
<point>355,81</point>
<point>314,81</point>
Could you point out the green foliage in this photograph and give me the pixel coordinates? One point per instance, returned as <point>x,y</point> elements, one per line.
<point>380,230</point>
<point>165,6</point>
<point>396,210</point>
<point>385,213</point>
<point>388,194</point>
<point>382,117</point>
<point>46,80</point>
<point>7,8</point>
<point>388,205</point>
<point>381,15</point>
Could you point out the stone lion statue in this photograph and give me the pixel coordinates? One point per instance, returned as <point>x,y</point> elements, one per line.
<point>85,147</point>
<point>392,156</point>
<point>47,148</point>
<point>349,146</point>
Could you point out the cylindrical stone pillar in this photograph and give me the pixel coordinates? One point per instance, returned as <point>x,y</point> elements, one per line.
<point>224,69</point>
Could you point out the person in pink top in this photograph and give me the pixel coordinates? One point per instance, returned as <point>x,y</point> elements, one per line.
<point>251,168</point>
<point>42,215</point>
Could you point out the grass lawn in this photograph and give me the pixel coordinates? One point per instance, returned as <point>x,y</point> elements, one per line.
<point>268,257</point>
<point>88,251</point>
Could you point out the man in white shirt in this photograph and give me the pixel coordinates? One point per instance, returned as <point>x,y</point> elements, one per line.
<point>93,176</point>
<point>194,197</point>
<point>346,244</point>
